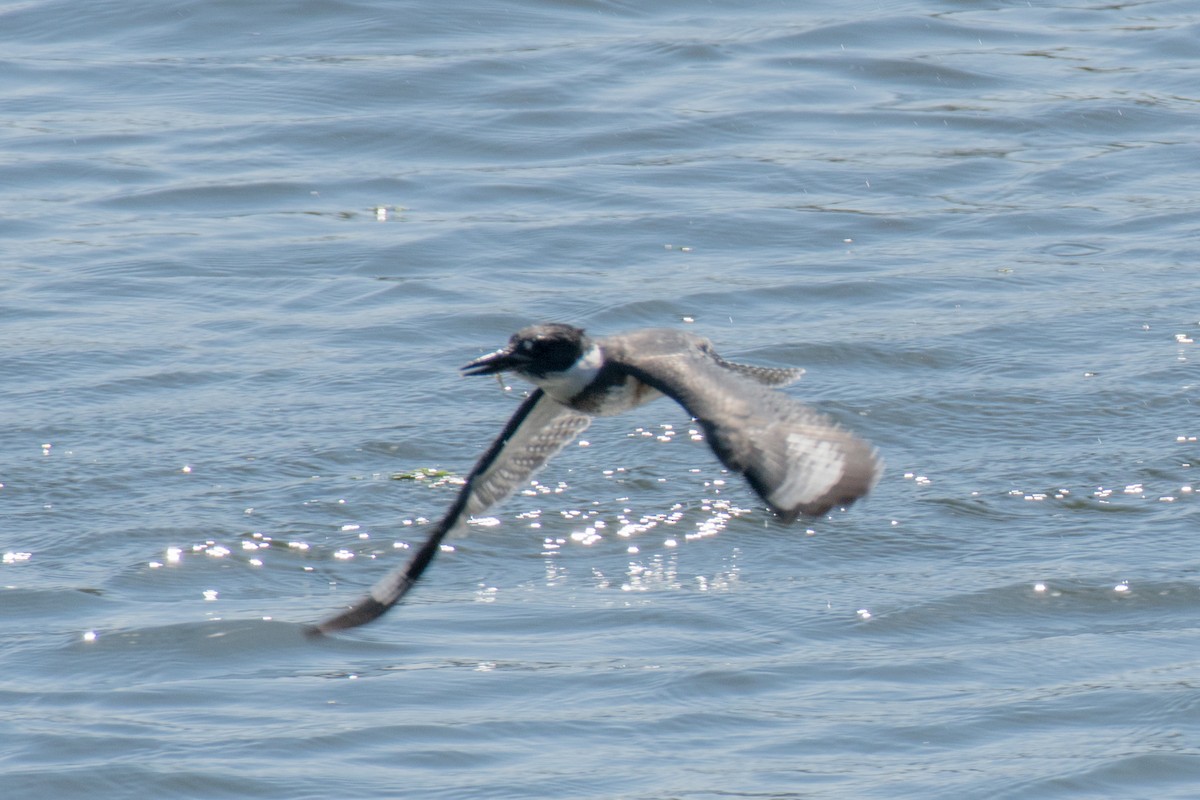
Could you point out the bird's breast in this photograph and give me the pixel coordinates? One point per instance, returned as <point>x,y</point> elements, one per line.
<point>606,398</point>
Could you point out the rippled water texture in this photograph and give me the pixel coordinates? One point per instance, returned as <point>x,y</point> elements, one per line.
<point>246,247</point>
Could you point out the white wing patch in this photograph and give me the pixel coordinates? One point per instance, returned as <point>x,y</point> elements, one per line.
<point>815,466</point>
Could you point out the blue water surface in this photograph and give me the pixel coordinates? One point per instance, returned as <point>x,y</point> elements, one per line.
<point>247,245</point>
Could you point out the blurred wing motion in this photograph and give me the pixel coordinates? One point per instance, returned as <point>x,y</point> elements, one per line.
<point>540,428</point>
<point>798,460</point>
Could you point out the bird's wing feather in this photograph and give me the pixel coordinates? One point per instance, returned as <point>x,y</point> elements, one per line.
<point>797,459</point>
<point>767,376</point>
<point>539,429</point>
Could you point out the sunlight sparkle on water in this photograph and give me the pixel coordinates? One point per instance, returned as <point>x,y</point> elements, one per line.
<point>587,536</point>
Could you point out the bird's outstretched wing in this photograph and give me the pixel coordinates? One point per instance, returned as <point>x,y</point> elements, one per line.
<point>798,460</point>
<point>539,429</point>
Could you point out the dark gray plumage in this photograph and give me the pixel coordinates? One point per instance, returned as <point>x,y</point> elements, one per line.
<point>798,460</point>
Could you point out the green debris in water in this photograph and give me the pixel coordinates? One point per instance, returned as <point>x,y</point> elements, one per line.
<point>421,474</point>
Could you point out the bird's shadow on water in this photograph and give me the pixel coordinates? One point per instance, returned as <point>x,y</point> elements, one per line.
<point>190,650</point>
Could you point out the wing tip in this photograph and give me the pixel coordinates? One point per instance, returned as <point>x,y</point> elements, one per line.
<point>855,483</point>
<point>366,610</point>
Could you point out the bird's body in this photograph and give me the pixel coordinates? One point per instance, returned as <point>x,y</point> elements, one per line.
<point>796,459</point>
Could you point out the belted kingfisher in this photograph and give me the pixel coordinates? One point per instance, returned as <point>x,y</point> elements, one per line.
<point>798,460</point>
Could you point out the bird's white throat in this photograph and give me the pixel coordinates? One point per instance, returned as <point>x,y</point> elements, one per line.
<point>563,386</point>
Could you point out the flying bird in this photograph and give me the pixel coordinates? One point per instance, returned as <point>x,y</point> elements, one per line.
<point>799,461</point>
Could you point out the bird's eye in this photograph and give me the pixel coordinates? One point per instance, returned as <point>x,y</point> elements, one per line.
<point>527,345</point>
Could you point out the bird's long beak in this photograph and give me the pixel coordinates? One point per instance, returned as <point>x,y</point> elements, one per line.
<point>499,361</point>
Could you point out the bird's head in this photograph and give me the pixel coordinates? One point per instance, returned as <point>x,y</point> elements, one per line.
<point>535,352</point>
